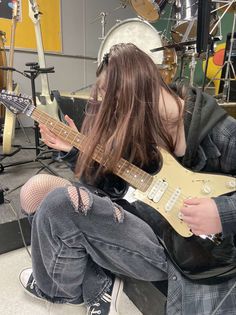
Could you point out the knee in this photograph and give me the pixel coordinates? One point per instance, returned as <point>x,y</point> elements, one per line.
<point>37,188</point>
<point>30,194</point>
<point>82,200</point>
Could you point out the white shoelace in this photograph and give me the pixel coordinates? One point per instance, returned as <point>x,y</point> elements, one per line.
<point>94,311</point>
<point>32,284</point>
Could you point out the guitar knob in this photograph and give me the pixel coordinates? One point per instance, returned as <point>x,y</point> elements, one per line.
<point>231,183</point>
<point>206,189</point>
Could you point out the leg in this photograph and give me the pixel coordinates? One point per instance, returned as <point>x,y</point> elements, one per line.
<point>36,188</point>
<point>76,234</point>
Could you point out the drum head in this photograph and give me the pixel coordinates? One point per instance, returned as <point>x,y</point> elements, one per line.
<point>137,32</point>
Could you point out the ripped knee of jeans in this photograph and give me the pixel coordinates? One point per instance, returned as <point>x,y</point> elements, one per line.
<point>80,199</point>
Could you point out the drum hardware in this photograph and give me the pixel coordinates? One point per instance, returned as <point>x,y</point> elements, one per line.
<point>177,46</point>
<point>184,13</point>
<point>123,4</point>
<point>224,4</point>
<point>226,9</point>
<point>101,16</point>
<point>103,23</point>
<point>227,64</point>
<point>226,88</point>
<point>192,67</point>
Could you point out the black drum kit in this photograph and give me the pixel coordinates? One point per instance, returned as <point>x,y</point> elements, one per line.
<point>175,48</point>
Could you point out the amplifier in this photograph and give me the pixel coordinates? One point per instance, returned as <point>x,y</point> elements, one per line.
<point>71,105</point>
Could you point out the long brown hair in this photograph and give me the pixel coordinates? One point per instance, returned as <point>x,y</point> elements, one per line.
<point>127,121</point>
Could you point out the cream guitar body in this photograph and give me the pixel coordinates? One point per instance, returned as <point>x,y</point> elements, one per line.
<point>44,101</point>
<point>173,184</point>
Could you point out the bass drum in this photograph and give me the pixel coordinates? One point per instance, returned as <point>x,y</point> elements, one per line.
<point>145,37</point>
<point>149,10</point>
<point>3,74</point>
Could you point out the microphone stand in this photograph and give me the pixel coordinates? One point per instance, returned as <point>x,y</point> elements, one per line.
<point>31,74</point>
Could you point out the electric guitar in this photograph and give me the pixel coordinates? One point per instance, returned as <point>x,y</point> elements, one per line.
<point>198,258</point>
<point>3,62</point>
<point>10,119</point>
<point>44,101</point>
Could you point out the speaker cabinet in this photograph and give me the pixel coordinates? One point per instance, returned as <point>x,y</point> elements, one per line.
<point>74,107</point>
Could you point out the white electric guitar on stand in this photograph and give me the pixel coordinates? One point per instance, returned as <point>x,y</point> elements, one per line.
<point>10,119</point>
<point>44,101</point>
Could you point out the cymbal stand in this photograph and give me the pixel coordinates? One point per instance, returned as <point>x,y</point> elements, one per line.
<point>226,89</point>
<point>103,16</point>
<point>227,63</point>
<point>192,67</point>
<point>192,64</point>
<point>210,51</point>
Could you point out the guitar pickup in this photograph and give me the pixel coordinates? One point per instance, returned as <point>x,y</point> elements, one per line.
<point>158,190</point>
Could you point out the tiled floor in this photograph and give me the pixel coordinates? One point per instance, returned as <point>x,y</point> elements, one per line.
<point>15,301</point>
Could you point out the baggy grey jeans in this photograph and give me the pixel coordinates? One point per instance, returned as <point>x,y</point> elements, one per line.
<point>72,248</point>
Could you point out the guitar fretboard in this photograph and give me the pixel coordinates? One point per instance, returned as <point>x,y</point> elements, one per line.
<point>127,171</point>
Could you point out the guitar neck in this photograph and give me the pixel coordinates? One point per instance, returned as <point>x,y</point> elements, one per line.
<point>44,78</point>
<point>11,55</point>
<point>127,171</point>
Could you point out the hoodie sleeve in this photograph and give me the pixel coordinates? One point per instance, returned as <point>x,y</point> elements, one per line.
<point>70,157</point>
<point>225,139</point>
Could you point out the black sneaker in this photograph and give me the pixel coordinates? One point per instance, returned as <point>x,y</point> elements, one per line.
<point>108,304</point>
<point>29,284</point>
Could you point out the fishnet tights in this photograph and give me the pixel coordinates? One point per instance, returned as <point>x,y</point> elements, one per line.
<point>36,188</point>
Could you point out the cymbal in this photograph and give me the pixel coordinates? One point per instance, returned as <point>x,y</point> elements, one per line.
<point>176,46</point>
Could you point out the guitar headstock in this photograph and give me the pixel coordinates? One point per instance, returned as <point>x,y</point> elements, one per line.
<point>34,12</point>
<point>17,104</point>
<point>16,10</point>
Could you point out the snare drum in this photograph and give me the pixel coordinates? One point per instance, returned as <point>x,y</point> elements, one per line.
<point>185,12</point>
<point>150,10</point>
<point>145,37</point>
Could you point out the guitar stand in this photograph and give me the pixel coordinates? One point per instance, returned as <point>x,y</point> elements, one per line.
<point>31,74</point>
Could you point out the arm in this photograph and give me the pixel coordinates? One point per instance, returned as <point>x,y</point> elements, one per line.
<point>210,216</point>
<point>67,152</point>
